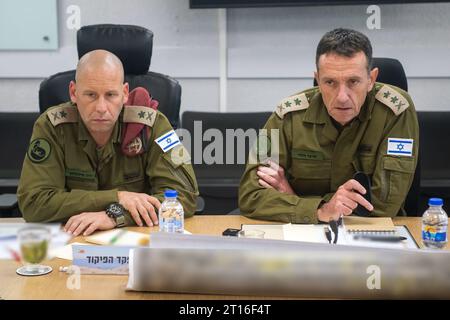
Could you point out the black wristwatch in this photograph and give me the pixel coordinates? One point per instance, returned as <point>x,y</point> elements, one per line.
<point>117,212</point>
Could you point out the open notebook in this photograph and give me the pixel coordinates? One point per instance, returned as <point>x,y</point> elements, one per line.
<point>355,224</point>
<point>350,228</point>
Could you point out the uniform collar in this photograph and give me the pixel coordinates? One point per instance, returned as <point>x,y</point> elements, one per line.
<point>84,135</point>
<point>103,155</point>
<point>366,110</point>
<point>317,113</point>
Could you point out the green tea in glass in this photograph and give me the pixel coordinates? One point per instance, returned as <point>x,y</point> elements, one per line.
<point>34,242</point>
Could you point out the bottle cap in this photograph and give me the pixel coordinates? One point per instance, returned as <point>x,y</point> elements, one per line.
<point>435,202</point>
<point>170,193</point>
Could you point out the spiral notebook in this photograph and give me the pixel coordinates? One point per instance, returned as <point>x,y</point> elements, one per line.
<point>315,233</point>
<point>355,224</point>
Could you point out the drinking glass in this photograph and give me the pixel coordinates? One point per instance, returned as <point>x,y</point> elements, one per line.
<point>34,242</point>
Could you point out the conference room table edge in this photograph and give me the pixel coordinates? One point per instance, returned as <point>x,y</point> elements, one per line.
<point>56,286</point>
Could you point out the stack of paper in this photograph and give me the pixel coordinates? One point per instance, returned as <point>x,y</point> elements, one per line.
<point>119,237</point>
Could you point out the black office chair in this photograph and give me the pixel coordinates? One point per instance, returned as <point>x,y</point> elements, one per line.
<point>391,72</point>
<point>133,45</point>
<point>15,130</point>
<point>219,183</point>
<point>435,156</point>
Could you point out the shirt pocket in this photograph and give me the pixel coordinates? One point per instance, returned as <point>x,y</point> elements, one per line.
<point>133,184</point>
<point>396,177</point>
<point>80,184</point>
<point>311,177</point>
<point>131,177</point>
<point>368,164</point>
<point>77,179</point>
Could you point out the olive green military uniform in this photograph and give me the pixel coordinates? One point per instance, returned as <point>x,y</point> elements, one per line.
<point>64,173</point>
<point>319,156</point>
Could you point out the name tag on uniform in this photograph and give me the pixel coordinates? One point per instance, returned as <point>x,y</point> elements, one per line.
<point>80,174</point>
<point>168,141</point>
<point>400,147</point>
<point>306,155</point>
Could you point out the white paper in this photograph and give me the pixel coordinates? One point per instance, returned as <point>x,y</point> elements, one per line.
<point>9,241</point>
<point>316,234</point>
<point>65,252</point>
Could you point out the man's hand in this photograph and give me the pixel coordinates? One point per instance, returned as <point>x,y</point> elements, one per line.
<point>344,201</point>
<point>88,222</point>
<point>140,205</point>
<point>273,177</point>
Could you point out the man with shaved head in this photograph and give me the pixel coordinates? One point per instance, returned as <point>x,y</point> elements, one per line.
<point>347,124</point>
<point>83,167</point>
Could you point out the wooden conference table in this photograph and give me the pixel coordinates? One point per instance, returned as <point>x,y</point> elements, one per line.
<point>53,285</point>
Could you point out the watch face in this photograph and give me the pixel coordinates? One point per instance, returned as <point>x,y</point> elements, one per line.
<point>115,209</point>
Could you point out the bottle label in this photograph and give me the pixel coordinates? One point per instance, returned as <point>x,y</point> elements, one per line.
<point>171,220</point>
<point>178,225</point>
<point>436,234</point>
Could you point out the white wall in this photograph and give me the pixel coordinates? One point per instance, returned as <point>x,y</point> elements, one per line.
<point>270,50</point>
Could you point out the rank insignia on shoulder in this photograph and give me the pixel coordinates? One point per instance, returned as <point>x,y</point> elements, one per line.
<point>292,103</point>
<point>393,99</point>
<point>168,141</point>
<point>39,150</point>
<point>400,147</point>
<point>140,114</point>
<point>62,114</point>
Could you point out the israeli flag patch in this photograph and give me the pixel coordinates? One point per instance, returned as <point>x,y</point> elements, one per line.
<point>400,147</point>
<point>168,141</point>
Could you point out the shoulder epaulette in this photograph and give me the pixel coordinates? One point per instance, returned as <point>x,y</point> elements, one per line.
<point>63,114</point>
<point>392,99</point>
<point>292,103</point>
<point>139,114</point>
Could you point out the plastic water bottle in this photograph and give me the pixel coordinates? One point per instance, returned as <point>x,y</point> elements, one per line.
<point>171,213</point>
<point>434,225</point>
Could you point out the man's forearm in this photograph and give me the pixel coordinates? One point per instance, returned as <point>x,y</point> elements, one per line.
<point>53,205</point>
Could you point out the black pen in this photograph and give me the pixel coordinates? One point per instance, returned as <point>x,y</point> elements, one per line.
<point>334,225</point>
<point>327,233</point>
<point>379,238</point>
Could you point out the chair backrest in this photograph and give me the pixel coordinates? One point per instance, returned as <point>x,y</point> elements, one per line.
<point>391,71</point>
<point>15,130</point>
<point>434,151</point>
<point>434,154</point>
<point>219,183</point>
<point>133,45</point>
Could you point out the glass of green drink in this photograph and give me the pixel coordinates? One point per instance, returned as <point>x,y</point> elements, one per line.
<point>34,242</point>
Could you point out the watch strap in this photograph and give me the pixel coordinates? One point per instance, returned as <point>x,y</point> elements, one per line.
<point>120,221</point>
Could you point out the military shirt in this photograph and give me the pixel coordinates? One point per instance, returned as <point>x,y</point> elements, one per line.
<point>64,173</point>
<point>318,158</point>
